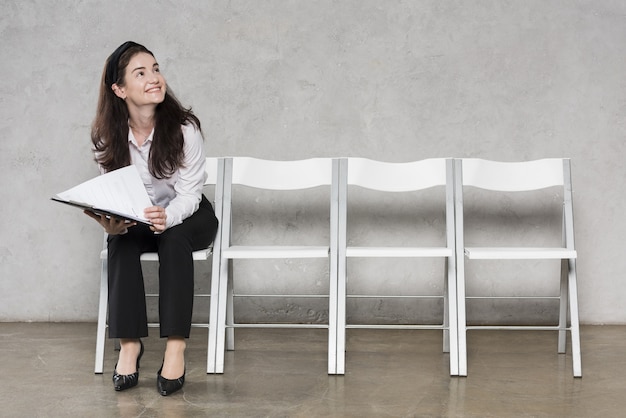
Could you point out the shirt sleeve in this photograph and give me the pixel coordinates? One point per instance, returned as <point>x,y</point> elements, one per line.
<point>190,181</point>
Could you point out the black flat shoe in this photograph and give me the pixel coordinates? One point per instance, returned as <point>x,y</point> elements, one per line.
<point>127,381</point>
<point>167,386</point>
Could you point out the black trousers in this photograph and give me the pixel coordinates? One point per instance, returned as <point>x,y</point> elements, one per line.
<point>127,300</point>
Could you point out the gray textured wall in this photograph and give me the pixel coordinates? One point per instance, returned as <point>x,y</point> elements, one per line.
<point>391,80</point>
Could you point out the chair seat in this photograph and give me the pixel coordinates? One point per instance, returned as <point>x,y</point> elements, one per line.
<point>398,252</point>
<point>518,253</point>
<point>197,255</point>
<point>246,251</point>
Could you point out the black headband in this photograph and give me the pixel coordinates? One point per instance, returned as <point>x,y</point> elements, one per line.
<point>111,75</point>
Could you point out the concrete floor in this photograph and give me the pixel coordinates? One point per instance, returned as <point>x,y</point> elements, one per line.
<point>47,371</point>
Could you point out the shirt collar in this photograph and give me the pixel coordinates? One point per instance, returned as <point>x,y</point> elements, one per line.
<point>133,140</point>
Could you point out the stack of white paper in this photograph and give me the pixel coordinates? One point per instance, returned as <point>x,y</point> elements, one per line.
<point>119,193</point>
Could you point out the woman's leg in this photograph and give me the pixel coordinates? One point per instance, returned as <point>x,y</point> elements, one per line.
<point>127,301</point>
<point>176,282</point>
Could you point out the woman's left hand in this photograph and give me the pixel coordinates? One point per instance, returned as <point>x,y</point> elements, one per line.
<point>156,215</point>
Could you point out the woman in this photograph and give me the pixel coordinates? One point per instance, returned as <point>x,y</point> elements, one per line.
<point>140,122</point>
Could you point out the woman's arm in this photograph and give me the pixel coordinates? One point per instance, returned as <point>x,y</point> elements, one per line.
<point>191,178</point>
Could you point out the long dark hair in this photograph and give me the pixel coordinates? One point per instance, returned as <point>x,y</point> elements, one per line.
<point>109,131</point>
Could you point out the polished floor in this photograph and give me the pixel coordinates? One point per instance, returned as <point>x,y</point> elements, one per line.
<point>47,371</point>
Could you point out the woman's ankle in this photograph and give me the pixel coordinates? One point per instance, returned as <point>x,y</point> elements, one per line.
<point>174,359</point>
<point>129,352</point>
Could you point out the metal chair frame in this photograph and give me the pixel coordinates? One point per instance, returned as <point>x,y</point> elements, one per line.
<point>518,177</point>
<point>411,177</point>
<point>271,175</point>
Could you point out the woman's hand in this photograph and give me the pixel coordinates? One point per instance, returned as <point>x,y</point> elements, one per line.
<point>112,226</point>
<point>156,215</point>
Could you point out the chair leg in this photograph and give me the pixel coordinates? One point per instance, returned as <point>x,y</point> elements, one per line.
<point>452,322</point>
<point>102,319</point>
<point>574,323</point>
<point>563,306</point>
<point>340,353</point>
<point>461,321</point>
<point>337,323</point>
<point>224,278</point>
<point>446,313</point>
<point>332,337</point>
<point>213,321</point>
<point>230,310</point>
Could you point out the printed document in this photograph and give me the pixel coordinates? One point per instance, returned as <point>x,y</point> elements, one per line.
<point>119,193</point>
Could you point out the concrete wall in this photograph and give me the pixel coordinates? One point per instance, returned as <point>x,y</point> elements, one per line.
<point>390,80</point>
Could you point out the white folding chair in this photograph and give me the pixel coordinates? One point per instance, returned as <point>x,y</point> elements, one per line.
<point>502,178</point>
<point>411,177</point>
<point>214,170</point>
<point>272,177</point>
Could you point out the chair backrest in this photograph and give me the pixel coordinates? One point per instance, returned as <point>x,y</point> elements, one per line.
<point>215,177</point>
<point>280,175</point>
<point>513,176</point>
<point>276,175</point>
<point>396,177</point>
<point>211,169</point>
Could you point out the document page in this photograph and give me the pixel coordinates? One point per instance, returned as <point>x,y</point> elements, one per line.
<point>119,192</point>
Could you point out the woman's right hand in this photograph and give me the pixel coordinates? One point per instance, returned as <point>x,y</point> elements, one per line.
<point>112,226</point>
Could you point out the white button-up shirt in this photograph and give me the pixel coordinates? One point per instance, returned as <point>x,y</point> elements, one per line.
<point>181,193</point>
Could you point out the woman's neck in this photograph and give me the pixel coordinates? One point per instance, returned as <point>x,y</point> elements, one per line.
<point>141,118</point>
<point>141,125</point>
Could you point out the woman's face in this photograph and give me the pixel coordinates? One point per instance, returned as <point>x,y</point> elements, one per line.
<point>143,85</point>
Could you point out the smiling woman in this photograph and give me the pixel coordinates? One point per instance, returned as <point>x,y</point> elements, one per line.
<point>145,87</point>
<point>140,122</point>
